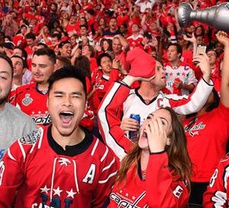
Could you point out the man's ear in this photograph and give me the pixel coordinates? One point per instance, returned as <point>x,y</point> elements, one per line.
<point>24,69</point>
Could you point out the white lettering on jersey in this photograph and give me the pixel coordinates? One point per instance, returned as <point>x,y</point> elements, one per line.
<point>178,191</point>
<point>160,103</point>
<point>41,118</point>
<point>2,170</point>
<point>220,199</point>
<point>226,176</point>
<point>193,127</point>
<point>214,176</point>
<point>90,174</point>
<point>125,203</point>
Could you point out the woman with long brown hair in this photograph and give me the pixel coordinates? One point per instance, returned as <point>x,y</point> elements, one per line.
<point>156,173</point>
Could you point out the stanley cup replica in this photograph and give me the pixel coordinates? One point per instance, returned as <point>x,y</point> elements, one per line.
<point>216,16</point>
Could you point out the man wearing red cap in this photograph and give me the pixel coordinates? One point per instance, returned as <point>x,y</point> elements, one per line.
<point>121,100</point>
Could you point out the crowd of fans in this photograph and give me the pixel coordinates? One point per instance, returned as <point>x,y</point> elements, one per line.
<point>115,45</point>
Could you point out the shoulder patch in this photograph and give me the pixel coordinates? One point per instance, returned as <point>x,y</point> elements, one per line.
<point>32,137</point>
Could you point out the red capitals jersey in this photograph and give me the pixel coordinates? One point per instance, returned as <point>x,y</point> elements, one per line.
<point>29,52</point>
<point>207,137</point>
<point>120,100</point>
<point>159,189</point>
<point>135,41</point>
<point>101,84</point>
<point>19,40</point>
<point>217,194</point>
<point>32,102</point>
<point>45,175</point>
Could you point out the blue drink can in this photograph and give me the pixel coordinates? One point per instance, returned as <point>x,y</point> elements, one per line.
<point>133,135</point>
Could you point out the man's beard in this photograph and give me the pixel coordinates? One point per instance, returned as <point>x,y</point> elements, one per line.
<point>3,99</point>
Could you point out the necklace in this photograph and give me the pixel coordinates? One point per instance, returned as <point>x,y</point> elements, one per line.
<point>143,175</point>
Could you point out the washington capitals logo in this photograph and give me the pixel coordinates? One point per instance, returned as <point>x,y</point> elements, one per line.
<point>193,128</point>
<point>27,100</point>
<point>127,203</point>
<point>41,119</point>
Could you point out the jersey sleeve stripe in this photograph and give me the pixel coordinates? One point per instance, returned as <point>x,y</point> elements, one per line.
<point>22,150</point>
<point>10,155</point>
<point>41,130</point>
<point>104,121</point>
<point>94,148</point>
<point>111,175</point>
<point>104,156</point>
<point>107,167</point>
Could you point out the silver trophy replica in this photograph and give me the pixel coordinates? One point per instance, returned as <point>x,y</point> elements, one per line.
<point>216,16</point>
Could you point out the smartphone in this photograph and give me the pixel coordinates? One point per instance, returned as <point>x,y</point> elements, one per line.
<point>201,49</point>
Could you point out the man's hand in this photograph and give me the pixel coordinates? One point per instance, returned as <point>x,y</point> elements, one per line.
<point>129,124</point>
<point>203,62</point>
<point>222,37</point>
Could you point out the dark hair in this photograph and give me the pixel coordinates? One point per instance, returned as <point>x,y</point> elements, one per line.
<point>84,63</point>
<point>99,58</point>
<point>147,35</point>
<point>177,45</point>
<point>63,43</point>
<point>48,52</point>
<point>68,72</point>
<point>202,30</point>
<point>56,35</point>
<point>90,11</point>
<point>24,55</point>
<point>8,37</point>
<point>55,4</point>
<point>74,35</point>
<point>66,61</point>
<point>23,61</point>
<point>43,45</point>
<point>8,60</point>
<point>216,100</point>
<point>159,59</point>
<point>24,25</point>
<point>210,48</point>
<point>30,35</point>
<point>84,26</point>
<point>109,41</point>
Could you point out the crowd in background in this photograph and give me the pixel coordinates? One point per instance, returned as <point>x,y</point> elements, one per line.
<point>107,40</point>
